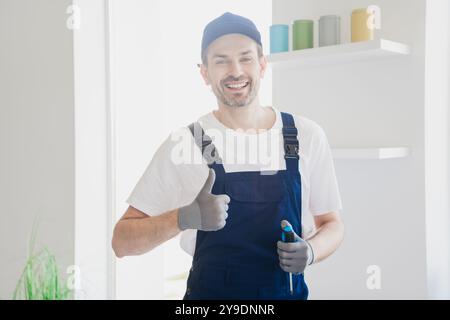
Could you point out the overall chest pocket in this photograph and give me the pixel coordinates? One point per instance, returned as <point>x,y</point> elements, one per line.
<point>256,189</point>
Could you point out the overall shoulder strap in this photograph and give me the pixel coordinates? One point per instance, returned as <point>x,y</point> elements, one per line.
<point>207,148</point>
<point>291,144</point>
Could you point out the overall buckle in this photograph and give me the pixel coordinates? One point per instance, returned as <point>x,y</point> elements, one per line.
<point>291,151</point>
<point>291,146</point>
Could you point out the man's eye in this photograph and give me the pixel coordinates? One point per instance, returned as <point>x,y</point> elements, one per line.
<point>246,59</point>
<point>220,62</point>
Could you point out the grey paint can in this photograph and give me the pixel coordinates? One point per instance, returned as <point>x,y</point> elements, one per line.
<point>329,30</point>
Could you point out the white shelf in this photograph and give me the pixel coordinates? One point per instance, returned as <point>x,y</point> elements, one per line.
<point>339,54</point>
<point>371,153</point>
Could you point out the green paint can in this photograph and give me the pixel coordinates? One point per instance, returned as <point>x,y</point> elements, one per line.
<point>303,34</point>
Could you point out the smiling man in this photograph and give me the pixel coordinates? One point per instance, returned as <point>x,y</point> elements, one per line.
<point>232,206</point>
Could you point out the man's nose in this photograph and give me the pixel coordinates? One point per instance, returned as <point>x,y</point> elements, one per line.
<point>236,69</point>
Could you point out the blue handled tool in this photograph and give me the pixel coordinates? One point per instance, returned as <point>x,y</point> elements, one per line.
<point>288,236</point>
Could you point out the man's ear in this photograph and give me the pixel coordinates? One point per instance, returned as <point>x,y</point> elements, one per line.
<point>204,73</point>
<point>263,63</point>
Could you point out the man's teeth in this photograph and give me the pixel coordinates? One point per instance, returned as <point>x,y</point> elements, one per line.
<point>236,86</point>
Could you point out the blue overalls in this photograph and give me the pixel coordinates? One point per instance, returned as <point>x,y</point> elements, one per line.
<point>241,261</point>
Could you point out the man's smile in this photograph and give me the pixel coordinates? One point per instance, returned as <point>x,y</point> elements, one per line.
<point>236,86</point>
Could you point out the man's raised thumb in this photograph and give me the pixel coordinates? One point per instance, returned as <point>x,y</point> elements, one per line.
<point>207,187</point>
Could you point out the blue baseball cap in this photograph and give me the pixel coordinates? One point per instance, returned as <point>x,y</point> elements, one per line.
<point>226,24</point>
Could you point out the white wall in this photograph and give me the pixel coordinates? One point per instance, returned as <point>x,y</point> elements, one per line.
<point>369,105</point>
<point>137,72</point>
<point>157,88</point>
<point>93,188</point>
<point>36,134</point>
<point>437,142</point>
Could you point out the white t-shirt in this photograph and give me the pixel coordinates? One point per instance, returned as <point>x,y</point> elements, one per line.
<point>178,171</point>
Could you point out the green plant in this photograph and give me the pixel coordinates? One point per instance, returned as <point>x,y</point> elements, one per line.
<point>40,278</point>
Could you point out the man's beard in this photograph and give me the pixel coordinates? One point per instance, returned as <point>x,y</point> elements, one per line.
<point>236,101</point>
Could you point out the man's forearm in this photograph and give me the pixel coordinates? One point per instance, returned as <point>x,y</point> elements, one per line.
<point>326,239</point>
<point>135,236</point>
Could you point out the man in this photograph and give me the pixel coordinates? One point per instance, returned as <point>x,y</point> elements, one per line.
<point>232,212</point>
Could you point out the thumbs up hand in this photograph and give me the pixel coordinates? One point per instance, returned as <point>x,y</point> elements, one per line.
<point>208,212</point>
<point>294,256</point>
